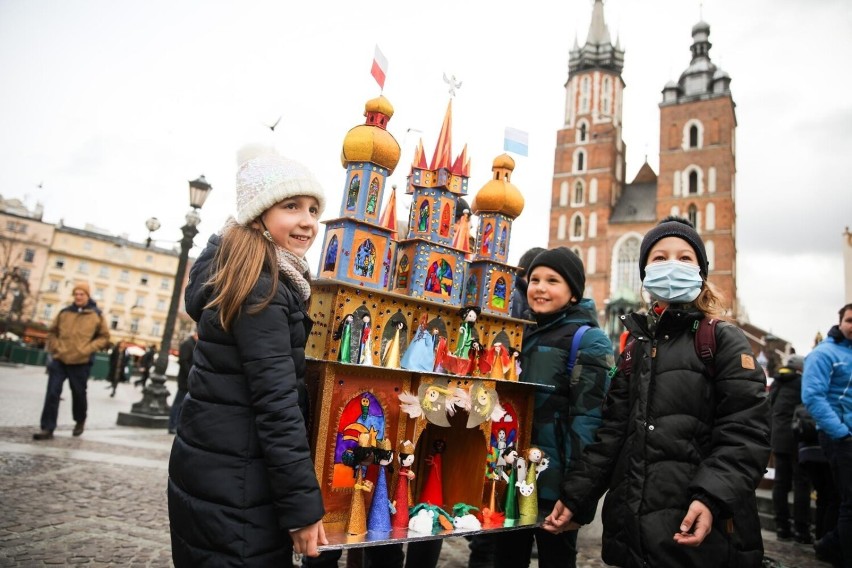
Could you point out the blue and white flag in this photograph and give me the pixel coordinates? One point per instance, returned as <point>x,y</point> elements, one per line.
<point>516,141</point>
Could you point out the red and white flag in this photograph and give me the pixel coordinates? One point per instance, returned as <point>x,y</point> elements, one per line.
<point>380,67</point>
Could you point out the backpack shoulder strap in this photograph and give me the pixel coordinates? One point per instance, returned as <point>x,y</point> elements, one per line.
<point>575,346</point>
<point>705,342</point>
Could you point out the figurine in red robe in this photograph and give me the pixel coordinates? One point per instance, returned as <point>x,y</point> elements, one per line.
<point>402,493</point>
<point>433,488</point>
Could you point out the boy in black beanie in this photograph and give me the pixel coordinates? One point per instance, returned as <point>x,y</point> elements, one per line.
<point>569,355</point>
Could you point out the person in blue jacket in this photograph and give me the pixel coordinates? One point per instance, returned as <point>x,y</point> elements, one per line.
<point>568,404</point>
<point>827,394</point>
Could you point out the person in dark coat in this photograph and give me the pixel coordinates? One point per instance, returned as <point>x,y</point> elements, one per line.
<point>117,366</point>
<point>242,488</point>
<point>683,445</point>
<point>185,357</point>
<point>785,394</point>
<point>568,408</point>
<point>145,363</point>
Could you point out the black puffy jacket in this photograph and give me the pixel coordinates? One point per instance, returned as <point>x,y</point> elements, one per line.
<point>240,473</point>
<point>785,394</point>
<point>673,433</point>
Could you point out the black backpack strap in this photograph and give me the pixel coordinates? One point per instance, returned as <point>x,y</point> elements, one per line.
<point>705,342</point>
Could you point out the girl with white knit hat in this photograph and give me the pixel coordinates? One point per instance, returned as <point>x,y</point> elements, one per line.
<point>242,488</point>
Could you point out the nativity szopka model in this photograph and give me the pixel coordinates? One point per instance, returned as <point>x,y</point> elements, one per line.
<point>413,349</point>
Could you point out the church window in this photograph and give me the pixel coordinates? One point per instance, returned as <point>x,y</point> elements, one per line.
<point>693,182</point>
<point>582,131</point>
<point>579,193</point>
<point>561,227</point>
<point>585,87</point>
<point>692,214</point>
<point>693,135</point>
<point>606,96</point>
<point>577,227</point>
<point>563,194</point>
<point>627,266</point>
<point>579,161</point>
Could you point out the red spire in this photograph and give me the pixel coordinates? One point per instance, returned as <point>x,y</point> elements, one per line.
<point>443,150</point>
<point>461,167</point>
<point>419,160</point>
<point>388,218</point>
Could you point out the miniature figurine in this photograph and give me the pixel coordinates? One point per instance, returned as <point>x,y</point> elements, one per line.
<point>379,518</point>
<point>499,361</point>
<point>420,355</point>
<point>359,458</point>
<point>365,345</point>
<point>463,519</point>
<point>535,463</point>
<point>482,404</point>
<point>426,518</point>
<point>390,357</point>
<point>510,456</point>
<point>515,366</point>
<point>344,335</point>
<point>430,402</point>
<point>402,494</point>
<point>467,331</point>
<point>433,488</point>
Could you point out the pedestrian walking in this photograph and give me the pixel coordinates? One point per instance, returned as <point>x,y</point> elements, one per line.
<point>242,487</point>
<point>570,356</point>
<point>186,354</point>
<point>685,439</point>
<point>76,334</point>
<point>826,384</point>
<point>118,359</point>
<point>145,363</point>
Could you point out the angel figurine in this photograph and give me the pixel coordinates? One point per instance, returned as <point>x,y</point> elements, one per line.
<point>482,404</point>
<point>535,463</point>
<point>402,494</point>
<point>431,402</point>
<point>344,335</point>
<point>379,518</point>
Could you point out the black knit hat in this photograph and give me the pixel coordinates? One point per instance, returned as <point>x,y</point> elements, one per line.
<point>567,264</point>
<point>673,227</point>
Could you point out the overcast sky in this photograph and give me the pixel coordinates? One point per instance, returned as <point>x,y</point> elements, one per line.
<point>112,106</point>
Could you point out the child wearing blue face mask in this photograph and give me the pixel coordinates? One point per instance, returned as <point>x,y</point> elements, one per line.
<point>683,445</point>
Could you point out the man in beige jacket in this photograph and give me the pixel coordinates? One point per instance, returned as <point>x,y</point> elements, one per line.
<point>78,331</point>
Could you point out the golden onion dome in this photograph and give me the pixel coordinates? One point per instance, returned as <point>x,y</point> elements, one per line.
<point>499,195</point>
<point>370,142</point>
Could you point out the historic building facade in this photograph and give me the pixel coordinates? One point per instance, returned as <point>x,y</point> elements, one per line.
<point>599,215</point>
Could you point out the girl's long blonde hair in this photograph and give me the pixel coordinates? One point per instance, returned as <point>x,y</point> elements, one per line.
<point>710,301</point>
<point>243,254</point>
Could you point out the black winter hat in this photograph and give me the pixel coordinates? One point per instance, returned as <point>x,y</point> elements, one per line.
<point>567,264</point>
<point>673,227</point>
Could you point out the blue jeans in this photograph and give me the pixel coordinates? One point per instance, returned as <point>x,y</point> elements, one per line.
<point>78,376</point>
<point>174,413</point>
<point>839,454</point>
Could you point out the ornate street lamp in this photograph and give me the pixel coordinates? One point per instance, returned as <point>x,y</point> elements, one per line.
<point>153,410</point>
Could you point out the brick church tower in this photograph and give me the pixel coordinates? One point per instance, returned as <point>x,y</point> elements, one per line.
<point>600,216</point>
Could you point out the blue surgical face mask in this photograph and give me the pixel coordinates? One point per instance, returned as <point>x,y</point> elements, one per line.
<point>673,281</point>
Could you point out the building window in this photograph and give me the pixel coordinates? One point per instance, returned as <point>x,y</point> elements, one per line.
<point>563,194</point>
<point>577,227</point>
<point>606,96</point>
<point>692,214</point>
<point>53,286</point>
<point>99,294</point>
<point>164,284</point>
<point>119,297</point>
<point>561,228</point>
<point>60,263</point>
<point>15,227</point>
<point>29,255</point>
<point>627,267</point>
<point>104,272</point>
<point>161,305</point>
<point>582,131</point>
<point>134,325</point>
<point>113,322</point>
<point>24,273</point>
<point>140,302</point>
<point>579,193</point>
<point>149,258</point>
<point>579,161</point>
<point>144,280</point>
<point>124,276</point>
<point>693,135</point>
<point>585,88</point>
<point>48,311</point>
<point>83,267</point>
<point>693,182</point>
<point>155,329</point>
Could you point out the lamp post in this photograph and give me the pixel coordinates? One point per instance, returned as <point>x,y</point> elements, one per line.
<point>153,410</point>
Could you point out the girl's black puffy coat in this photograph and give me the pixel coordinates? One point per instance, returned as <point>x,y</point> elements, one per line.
<point>240,473</point>
<point>674,432</point>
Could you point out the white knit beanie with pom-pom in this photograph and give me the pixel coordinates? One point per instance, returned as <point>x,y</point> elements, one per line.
<point>265,177</point>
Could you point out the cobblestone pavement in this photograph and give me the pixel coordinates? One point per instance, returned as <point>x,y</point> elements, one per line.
<point>100,499</point>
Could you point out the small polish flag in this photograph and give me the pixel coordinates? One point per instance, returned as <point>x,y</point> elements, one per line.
<point>516,141</point>
<point>380,67</point>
